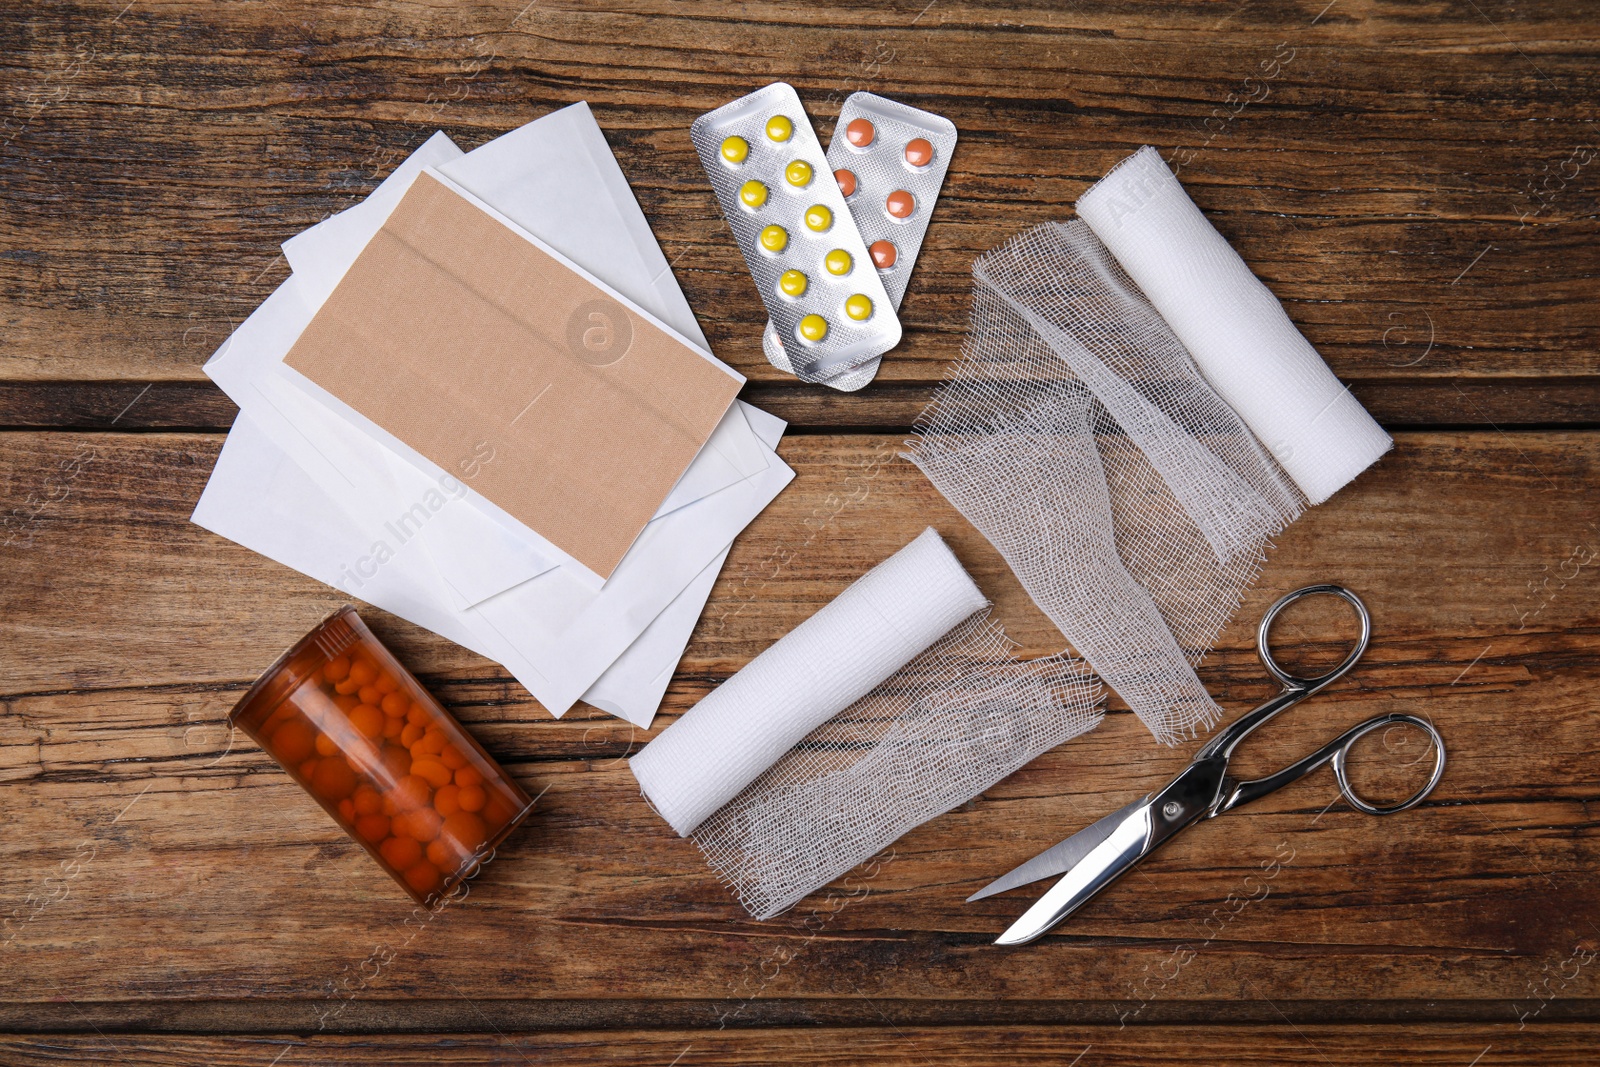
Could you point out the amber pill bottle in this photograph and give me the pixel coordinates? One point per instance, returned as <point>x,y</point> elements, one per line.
<point>392,767</point>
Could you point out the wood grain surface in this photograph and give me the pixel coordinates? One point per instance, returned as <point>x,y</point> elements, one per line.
<point>1275,1045</point>
<point>1418,182</point>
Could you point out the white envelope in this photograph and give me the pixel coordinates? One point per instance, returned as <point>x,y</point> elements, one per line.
<point>632,687</point>
<point>556,178</point>
<point>533,630</point>
<point>556,171</point>
<point>261,499</point>
<point>718,468</point>
<point>478,555</point>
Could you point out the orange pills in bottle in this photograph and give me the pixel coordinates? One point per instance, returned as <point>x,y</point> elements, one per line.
<point>383,758</point>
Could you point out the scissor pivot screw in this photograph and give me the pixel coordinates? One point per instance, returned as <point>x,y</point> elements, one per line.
<point>1172,809</point>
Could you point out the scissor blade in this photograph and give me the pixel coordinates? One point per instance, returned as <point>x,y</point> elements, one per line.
<point>1187,798</point>
<point>1124,846</point>
<point>1058,858</point>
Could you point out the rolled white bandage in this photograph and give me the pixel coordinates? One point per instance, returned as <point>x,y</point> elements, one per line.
<point>1236,330</point>
<point>890,615</point>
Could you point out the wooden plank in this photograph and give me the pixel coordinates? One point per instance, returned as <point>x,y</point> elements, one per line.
<point>1417,186</point>
<point>1506,403</point>
<point>1442,1045</point>
<point>426,1015</point>
<point>151,858</point>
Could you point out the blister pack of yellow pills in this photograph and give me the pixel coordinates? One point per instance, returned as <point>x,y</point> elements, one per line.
<point>814,272</point>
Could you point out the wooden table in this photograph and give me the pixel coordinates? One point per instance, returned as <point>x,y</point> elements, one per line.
<point>1418,183</point>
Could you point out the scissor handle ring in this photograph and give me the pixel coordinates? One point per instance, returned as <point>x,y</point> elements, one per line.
<point>1293,681</point>
<point>1356,734</point>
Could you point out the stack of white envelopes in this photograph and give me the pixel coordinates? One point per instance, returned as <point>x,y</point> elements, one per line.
<point>318,474</point>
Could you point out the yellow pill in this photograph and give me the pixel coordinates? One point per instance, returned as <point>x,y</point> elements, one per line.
<point>813,328</point>
<point>774,238</point>
<point>798,173</point>
<point>818,218</point>
<point>793,283</point>
<point>837,262</point>
<point>779,128</point>
<point>735,149</point>
<point>753,194</point>
<point>857,306</point>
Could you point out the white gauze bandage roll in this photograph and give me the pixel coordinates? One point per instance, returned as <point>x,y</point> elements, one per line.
<point>1236,330</point>
<point>891,614</point>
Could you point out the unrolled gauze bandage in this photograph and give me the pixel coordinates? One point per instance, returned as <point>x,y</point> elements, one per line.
<point>891,614</point>
<point>1237,332</point>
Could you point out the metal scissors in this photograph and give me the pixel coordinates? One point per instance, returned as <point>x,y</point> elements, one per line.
<point>1096,856</point>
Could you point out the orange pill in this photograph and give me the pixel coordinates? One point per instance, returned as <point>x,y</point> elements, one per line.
<point>452,757</point>
<point>469,775</point>
<point>284,713</point>
<point>367,800</point>
<point>365,758</point>
<point>436,773</point>
<point>347,810</point>
<point>396,761</point>
<point>373,828</point>
<point>466,830</point>
<point>400,852</point>
<point>919,153</point>
<point>498,811</point>
<point>447,800</point>
<point>444,854</point>
<point>349,685</point>
<point>410,734</point>
<point>336,669</point>
<point>396,704</point>
<point>347,702</point>
<point>393,728</point>
<point>419,714</point>
<point>472,798</point>
<point>362,672</point>
<point>411,792</point>
<point>293,742</point>
<point>368,720</point>
<point>900,204</point>
<point>422,824</point>
<point>884,254</point>
<point>860,132</point>
<point>432,743</point>
<point>369,695</point>
<point>308,768</point>
<point>326,746</point>
<point>424,877</point>
<point>386,684</point>
<point>333,779</point>
<point>847,182</point>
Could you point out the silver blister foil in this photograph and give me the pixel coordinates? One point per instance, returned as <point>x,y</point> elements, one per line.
<point>881,168</point>
<point>848,340</point>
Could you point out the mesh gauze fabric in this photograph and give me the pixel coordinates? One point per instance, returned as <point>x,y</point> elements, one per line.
<point>1077,434</point>
<point>948,725</point>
